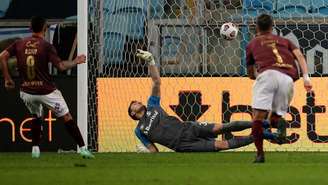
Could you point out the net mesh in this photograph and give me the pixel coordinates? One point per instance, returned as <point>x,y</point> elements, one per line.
<point>203,75</point>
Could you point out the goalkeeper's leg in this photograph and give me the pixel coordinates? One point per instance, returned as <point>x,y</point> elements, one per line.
<point>240,141</point>
<point>212,145</point>
<point>234,126</point>
<point>206,130</point>
<point>236,142</point>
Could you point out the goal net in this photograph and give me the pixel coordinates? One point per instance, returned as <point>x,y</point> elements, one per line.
<point>203,76</point>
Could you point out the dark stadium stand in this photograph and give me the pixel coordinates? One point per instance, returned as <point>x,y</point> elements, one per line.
<point>109,7</point>
<point>286,8</point>
<point>125,20</point>
<point>4,4</point>
<point>319,7</point>
<point>157,8</point>
<point>293,8</point>
<point>52,9</point>
<point>114,42</point>
<point>128,18</point>
<point>254,7</point>
<point>129,21</point>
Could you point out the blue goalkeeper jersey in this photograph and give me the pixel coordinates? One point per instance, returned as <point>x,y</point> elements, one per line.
<point>156,126</point>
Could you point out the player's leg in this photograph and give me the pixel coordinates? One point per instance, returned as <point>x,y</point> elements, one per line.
<point>210,130</point>
<point>197,145</point>
<point>263,92</point>
<point>36,134</point>
<point>257,133</point>
<point>55,102</point>
<point>235,142</point>
<point>281,102</point>
<point>72,128</point>
<point>191,142</point>
<point>212,145</point>
<point>36,110</point>
<point>234,126</point>
<point>190,139</point>
<point>201,129</point>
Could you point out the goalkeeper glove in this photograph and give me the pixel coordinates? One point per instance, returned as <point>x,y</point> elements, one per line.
<point>147,56</point>
<point>142,149</point>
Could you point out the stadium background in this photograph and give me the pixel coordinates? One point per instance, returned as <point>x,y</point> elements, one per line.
<point>202,93</point>
<point>193,58</point>
<point>196,64</point>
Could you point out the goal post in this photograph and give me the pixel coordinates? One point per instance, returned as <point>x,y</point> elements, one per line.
<point>203,75</point>
<point>82,70</point>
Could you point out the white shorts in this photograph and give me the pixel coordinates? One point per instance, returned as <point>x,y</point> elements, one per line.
<point>273,91</point>
<point>53,101</point>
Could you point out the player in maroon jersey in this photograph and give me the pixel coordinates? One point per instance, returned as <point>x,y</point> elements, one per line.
<point>271,61</point>
<point>37,87</point>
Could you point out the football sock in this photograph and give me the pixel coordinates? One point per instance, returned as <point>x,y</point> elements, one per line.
<point>239,141</point>
<point>235,126</point>
<point>74,131</point>
<point>257,132</point>
<point>36,131</point>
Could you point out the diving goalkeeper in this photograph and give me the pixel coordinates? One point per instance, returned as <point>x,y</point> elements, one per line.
<point>156,126</point>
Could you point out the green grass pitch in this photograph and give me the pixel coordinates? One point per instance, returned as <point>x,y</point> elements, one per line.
<point>281,168</point>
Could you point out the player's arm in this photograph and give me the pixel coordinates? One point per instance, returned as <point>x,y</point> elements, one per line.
<point>153,71</point>
<point>150,148</point>
<point>4,56</point>
<point>250,62</point>
<point>9,83</point>
<point>302,62</point>
<point>64,65</point>
<point>147,146</point>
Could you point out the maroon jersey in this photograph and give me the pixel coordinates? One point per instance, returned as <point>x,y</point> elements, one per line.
<point>270,51</point>
<point>33,55</point>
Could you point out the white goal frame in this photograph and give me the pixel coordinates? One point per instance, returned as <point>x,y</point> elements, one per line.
<point>82,69</point>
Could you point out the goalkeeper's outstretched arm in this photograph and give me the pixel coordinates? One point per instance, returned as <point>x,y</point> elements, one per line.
<point>146,146</point>
<point>146,149</point>
<point>153,71</point>
<point>152,148</point>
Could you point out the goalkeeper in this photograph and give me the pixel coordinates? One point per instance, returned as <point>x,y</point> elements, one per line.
<point>156,126</point>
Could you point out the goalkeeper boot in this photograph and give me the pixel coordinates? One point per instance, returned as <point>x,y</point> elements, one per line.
<point>35,152</point>
<point>85,153</point>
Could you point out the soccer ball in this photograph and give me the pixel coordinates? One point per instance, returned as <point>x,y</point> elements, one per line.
<point>229,31</point>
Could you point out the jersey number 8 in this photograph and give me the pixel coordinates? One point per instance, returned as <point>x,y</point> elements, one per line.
<point>30,62</point>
